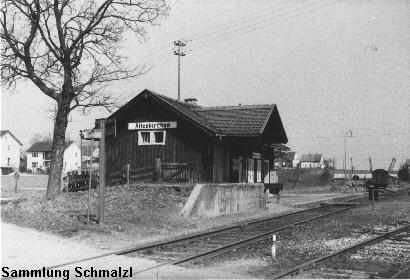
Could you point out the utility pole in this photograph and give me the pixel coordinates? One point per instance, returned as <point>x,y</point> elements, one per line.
<point>351,164</point>
<point>179,53</point>
<point>345,161</point>
<point>370,165</point>
<point>81,151</point>
<point>90,180</point>
<point>101,191</point>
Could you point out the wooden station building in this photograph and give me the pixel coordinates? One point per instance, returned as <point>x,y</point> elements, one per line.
<point>217,144</point>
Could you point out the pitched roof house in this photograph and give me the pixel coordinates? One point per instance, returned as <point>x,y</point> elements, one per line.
<point>312,161</point>
<point>39,157</point>
<point>288,160</point>
<point>223,144</point>
<point>10,152</point>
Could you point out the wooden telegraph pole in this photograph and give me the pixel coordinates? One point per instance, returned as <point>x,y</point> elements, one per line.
<point>101,191</point>
<point>91,179</point>
<point>179,53</point>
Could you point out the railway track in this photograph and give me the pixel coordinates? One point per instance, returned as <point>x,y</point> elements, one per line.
<point>386,255</point>
<point>217,242</point>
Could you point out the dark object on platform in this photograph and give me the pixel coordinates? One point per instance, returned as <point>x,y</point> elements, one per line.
<point>380,178</point>
<point>379,182</point>
<point>273,188</point>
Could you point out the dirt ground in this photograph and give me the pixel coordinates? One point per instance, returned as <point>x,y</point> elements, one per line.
<point>23,248</point>
<point>133,215</point>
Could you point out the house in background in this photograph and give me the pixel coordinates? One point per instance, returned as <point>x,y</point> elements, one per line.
<point>10,152</point>
<point>39,157</point>
<point>312,161</point>
<point>289,160</point>
<point>86,158</point>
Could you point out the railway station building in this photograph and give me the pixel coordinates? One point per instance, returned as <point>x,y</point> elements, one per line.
<point>227,144</point>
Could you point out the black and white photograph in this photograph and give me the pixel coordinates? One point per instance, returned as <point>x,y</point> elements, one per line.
<point>205,139</point>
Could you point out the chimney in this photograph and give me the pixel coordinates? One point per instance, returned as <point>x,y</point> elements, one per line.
<point>191,101</point>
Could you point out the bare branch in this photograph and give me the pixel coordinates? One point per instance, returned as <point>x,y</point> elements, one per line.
<point>69,48</point>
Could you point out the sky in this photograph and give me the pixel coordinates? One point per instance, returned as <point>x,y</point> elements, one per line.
<point>329,66</point>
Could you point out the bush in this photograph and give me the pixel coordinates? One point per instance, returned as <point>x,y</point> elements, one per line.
<point>404,172</point>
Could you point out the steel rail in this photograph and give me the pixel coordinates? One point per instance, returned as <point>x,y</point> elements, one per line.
<point>343,251</point>
<point>244,242</point>
<point>203,234</point>
<point>187,238</point>
<point>224,229</point>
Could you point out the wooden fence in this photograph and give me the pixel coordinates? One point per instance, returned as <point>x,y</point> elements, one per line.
<point>176,172</point>
<point>79,181</point>
<point>158,172</point>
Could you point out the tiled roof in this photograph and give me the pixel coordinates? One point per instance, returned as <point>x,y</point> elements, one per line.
<point>245,120</point>
<point>40,147</point>
<point>280,147</point>
<point>287,157</point>
<point>187,109</point>
<point>236,120</point>
<point>3,132</point>
<point>311,158</point>
<point>45,146</point>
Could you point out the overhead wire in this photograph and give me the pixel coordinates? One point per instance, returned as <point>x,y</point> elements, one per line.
<point>159,58</point>
<point>162,59</point>
<point>234,22</point>
<point>253,21</point>
<point>207,32</point>
<point>260,24</point>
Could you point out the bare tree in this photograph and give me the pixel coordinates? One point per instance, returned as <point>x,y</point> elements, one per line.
<point>70,50</point>
<point>39,138</point>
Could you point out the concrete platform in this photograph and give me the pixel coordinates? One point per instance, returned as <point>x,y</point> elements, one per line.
<point>314,200</point>
<point>211,200</point>
<point>309,200</point>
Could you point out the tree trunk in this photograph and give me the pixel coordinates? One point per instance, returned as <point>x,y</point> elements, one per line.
<point>57,153</point>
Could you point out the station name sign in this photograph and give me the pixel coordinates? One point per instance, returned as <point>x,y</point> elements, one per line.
<point>151,125</point>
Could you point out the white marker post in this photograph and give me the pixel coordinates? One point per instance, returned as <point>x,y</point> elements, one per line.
<point>274,246</point>
<point>16,178</point>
